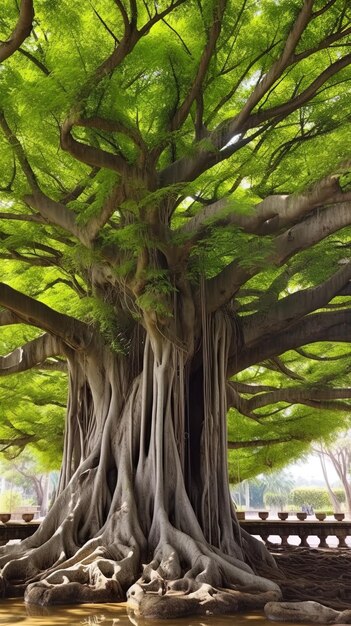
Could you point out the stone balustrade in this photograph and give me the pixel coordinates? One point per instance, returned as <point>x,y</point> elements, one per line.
<point>301,529</point>
<point>16,530</point>
<point>264,529</point>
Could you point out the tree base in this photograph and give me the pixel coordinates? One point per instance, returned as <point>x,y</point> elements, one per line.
<point>305,612</point>
<point>183,598</point>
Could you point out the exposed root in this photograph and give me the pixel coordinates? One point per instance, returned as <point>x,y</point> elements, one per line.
<point>187,577</point>
<point>188,597</point>
<point>306,612</point>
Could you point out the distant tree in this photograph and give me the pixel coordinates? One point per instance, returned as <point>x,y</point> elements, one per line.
<point>26,474</point>
<point>277,488</point>
<point>339,453</point>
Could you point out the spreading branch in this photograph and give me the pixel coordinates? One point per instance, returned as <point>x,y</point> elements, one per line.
<point>294,306</point>
<point>309,231</point>
<point>274,212</point>
<point>72,331</point>
<point>30,355</point>
<point>335,326</point>
<point>7,318</point>
<point>21,31</point>
<point>187,169</point>
<point>261,443</point>
<point>208,52</point>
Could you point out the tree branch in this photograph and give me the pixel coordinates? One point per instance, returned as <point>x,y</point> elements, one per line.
<point>294,306</point>
<point>186,169</point>
<point>283,110</point>
<point>8,319</point>
<point>298,395</point>
<point>314,228</point>
<point>259,443</point>
<point>96,157</point>
<point>189,168</point>
<point>72,331</point>
<point>316,327</point>
<point>114,126</point>
<point>31,354</point>
<point>282,209</point>
<point>21,31</point>
<point>311,230</point>
<point>195,89</point>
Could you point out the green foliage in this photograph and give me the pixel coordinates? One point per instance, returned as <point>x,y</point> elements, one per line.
<point>10,500</point>
<point>56,76</point>
<point>275,500</point>
<point>315,496</point>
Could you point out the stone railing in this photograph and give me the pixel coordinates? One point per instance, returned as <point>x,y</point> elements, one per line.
<point>264,529</point>
<point>303,530</point>
<point>16,530</point>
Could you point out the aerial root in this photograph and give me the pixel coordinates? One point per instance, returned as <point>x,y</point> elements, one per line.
<point>306,612</point>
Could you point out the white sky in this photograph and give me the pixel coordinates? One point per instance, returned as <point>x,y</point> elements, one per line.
<point>309,470</point>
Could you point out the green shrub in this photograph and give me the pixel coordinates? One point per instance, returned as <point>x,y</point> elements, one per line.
<point>315,496</point>
<point>9,501</point>
<point>275,500</point>
<point>340,494</point>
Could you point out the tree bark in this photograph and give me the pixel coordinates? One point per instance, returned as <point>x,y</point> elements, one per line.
<point>144,481</point>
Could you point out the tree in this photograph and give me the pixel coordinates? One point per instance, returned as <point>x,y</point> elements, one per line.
<point>277,489</point>
<point>177,207</point>
<point>26,473</point>
<point>338,452</point>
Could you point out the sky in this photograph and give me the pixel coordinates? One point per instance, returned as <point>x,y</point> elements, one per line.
<point>309,471</point>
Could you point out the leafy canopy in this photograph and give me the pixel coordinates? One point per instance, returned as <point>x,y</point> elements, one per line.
<point>206,140</point>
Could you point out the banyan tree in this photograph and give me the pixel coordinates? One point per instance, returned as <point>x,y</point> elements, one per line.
<point>175,208</point>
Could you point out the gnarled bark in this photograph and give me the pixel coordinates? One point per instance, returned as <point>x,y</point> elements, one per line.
<point>144,508</point>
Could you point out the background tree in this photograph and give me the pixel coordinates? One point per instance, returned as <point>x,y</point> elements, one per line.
<point>177,207</point>
<point>339,453</point>
<point>31,482</point>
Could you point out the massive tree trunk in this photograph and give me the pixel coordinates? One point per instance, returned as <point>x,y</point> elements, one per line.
<point>144,503</point>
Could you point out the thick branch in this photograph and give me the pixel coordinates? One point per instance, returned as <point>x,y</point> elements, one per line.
<point>7,318</point>
<point>283,210</point>
<point>231,128</point>
<point>73,332</point>
<point>113,126</point>
<point>57,214</point>
<point>259,443</point>
<point>283,110</point>
<point>298,395</point>
<point>334,326</point>
<point>21,31</point>
<point>52,211</point>
<point>114,199</point>
<point>96,157</point>
<point>308,232</point>
<point>293,307</point>
<point>31,354</point>
<point>21,217</point>
<point>187,169</point>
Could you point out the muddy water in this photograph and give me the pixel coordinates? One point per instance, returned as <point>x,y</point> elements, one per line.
<point>15,612</point>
